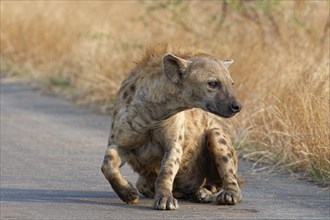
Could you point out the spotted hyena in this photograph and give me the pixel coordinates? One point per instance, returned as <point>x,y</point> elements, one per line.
<point>162,126</point>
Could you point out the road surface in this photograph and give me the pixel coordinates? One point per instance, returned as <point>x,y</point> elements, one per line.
<point>51,153</point>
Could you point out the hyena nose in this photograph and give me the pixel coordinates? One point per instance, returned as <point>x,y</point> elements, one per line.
<point>235,106</point>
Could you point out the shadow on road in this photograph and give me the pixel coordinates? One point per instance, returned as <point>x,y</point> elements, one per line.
<point>56,196</point>
<point>68,196</point>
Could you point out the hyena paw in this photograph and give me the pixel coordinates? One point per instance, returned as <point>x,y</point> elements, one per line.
<point>165,202</point>
<point>228,198</point>
<point>128,194</point>
<point>203,195</point>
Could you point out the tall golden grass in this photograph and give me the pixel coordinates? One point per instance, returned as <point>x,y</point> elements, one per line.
<point>280,48</point>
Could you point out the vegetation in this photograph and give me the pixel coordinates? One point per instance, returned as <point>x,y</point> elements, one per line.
<point>280,48</point>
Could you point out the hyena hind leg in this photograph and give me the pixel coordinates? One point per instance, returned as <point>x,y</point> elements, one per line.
<point>209,192</point>
<point>204,195</point>
<point>146,186</point>
<point>112,162</point>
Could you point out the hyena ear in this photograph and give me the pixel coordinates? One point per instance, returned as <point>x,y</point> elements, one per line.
<point>175,67</point>
<point>228,62</point>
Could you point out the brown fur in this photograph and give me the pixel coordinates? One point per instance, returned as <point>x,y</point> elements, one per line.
<point>162,128</point>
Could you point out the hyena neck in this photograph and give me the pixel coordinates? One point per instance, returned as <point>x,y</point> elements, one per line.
<point>157,105</point>
<point>160,112</point>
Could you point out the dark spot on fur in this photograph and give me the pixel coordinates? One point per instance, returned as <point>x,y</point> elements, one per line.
<point>217,133</point>
<point>208,144</point>
<point>222,141</point>
<point>130,125</point>
<point>233,183</point>
<point>180,138</point>
<point>229,155</point>
<point>192,114</point>
<point>190,151</point>
<point>223,179</point>
<point>170,165</point>
<point>115,113</point>
<point>112,136</point>
<point>132,88</point>
<point>185,167</point>
<point>178,150</point>
<point>225,159</point>
<point>125,95</point>
<point>167,173</point>
<point>231,170</point>
<point>177,161</point>
<point>204,118</point>
<point>108,158</point>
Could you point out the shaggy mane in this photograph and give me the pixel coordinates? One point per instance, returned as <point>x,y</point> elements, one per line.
<point>156,52</point>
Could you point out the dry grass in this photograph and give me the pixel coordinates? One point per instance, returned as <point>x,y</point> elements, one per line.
<point>280,48</point>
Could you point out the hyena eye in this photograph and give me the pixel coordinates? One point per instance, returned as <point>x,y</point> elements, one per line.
<point>213,84</point>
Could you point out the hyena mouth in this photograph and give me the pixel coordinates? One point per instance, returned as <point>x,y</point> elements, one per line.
<point>212,110</point>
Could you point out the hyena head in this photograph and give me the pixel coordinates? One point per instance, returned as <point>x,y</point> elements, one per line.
<point>204,82</point>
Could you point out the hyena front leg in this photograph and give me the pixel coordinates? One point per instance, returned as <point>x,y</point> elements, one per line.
<point>164,199</point>
<point>114,159</point>
<point>225,160</point>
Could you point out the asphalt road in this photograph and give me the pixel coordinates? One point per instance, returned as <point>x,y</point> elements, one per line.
<point>51,153</point>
